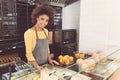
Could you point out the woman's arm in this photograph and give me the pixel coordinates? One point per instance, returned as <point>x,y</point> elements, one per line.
<point>28,44</point>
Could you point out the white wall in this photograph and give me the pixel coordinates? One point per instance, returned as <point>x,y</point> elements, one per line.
<point>99,25</point>
<point>71,14</point>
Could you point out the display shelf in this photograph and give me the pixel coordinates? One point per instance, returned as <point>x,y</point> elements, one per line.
<point>101,69</point>
<point>105,65</point>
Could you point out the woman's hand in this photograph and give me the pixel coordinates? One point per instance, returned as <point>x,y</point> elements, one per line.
<point>38,68</point>
<point>34,63</point>
<point>53,62</point>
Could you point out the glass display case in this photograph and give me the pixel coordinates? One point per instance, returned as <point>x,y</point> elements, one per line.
<point>105,65</point>
<point>100,67</point>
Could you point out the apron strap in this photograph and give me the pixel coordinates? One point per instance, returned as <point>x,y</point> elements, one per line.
<point>36,33</point>
<point>43,31</point>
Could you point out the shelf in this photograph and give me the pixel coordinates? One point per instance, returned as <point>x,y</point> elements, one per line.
<point>13,18</point>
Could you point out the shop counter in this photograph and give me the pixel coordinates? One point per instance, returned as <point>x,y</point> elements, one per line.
<point>106,67</point>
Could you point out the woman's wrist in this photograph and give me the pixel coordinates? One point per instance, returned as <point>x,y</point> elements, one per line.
<point>49,59</point>
<point>34,63</point>
<point>37,67</point>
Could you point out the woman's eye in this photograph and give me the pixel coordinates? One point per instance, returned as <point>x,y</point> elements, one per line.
<point>42,18</point>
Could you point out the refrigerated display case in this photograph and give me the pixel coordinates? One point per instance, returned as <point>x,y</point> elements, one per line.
<point>101,69</point>
<point>105,66</point>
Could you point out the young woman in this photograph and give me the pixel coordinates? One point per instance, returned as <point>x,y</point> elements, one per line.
<point>36,37</point>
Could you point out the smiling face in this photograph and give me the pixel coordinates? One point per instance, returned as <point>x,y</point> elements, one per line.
<point>42,20</point>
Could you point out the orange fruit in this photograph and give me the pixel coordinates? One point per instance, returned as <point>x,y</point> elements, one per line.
<point>77,55</point>
<point>66,56</point>
<point>61,61</point>
<point>82,55</point>
<point>64,59</point>
<point>93,54</point>
<point>67,62</point>
<point>71,59</point>
<point>60,56</point>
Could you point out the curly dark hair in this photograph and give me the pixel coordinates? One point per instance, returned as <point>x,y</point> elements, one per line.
<point>43,9</point>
